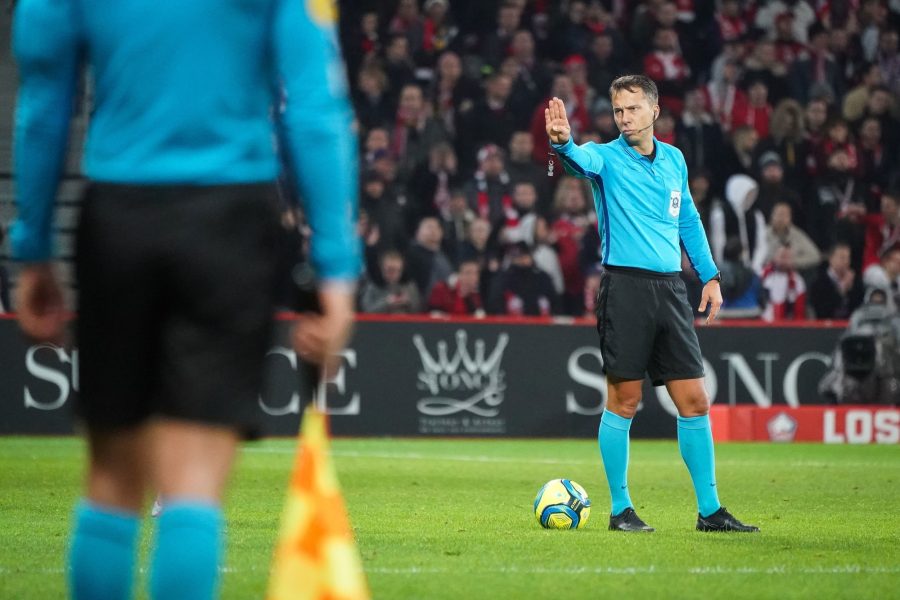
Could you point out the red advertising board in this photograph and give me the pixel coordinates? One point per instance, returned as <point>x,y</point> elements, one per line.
<point>829,424</point>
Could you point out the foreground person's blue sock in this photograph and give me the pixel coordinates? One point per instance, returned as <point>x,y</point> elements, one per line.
<point>185,563</point>
<point>102,554</point>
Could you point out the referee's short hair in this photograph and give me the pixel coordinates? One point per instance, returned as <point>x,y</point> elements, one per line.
<point>632,83</point>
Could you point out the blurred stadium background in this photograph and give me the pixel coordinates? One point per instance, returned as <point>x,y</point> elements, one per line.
<point>464,336</point>
<point>470,243</point>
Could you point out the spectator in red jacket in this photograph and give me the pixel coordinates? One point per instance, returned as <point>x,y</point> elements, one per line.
<point>730,21</point>
<point>571,209</point>
<point>757,111</point>
<point>882,228</point>
<point>576,68</point>
<point>668,68</point>
<point>459,294</point>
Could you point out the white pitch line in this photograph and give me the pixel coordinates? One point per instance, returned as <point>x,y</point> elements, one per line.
<point>650,569</point>
<point>60,570</point>
<point>800,464</point>
<point>636,570</point>
<point>417,456</point>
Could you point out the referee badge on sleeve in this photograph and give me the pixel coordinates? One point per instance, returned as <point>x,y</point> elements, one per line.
<point>674,203</point>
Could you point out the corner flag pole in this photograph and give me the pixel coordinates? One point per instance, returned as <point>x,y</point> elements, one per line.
<point>316,557</point>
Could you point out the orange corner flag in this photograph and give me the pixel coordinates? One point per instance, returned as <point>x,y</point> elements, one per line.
<point>316,556</point>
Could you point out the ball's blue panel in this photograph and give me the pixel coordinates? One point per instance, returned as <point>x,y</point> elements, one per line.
<point>559,516</point>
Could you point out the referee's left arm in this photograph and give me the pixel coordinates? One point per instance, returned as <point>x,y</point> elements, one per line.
<point>316,130</point>
<point>316,126</point>
<point>47,49</point>
<point>692,234</point>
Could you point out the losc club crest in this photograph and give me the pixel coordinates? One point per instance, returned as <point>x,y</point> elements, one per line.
<point>464,388</point>
<point>782,428</point>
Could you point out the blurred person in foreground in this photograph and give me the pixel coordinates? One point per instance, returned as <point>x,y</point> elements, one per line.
<point>646,214</point>
<point>177,249</point>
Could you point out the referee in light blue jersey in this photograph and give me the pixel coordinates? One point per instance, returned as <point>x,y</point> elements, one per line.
<point>645,215</point>
<point>177,246</point>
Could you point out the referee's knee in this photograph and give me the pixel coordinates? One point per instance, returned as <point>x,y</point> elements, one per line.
<point>694,405</point>
<point>624,405</point>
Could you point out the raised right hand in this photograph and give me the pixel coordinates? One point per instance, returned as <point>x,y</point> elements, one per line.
<point>557,123</point>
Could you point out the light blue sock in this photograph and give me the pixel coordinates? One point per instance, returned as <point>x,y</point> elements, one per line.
<point>613,439</point>
<point>101,557</point>
<point>696,445</point>
<point>185,563</point>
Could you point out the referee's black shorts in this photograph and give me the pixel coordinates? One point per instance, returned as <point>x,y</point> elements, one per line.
<point>176,291</point>
<point>646,326</point>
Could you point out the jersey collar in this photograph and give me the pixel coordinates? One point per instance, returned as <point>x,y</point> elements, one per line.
<point>660,153</point>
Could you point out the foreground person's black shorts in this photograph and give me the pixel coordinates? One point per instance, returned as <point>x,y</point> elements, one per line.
<point>646,326</point>
<point>175,301</point>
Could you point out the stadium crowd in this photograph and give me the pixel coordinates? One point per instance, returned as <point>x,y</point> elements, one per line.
<point>786,112</point>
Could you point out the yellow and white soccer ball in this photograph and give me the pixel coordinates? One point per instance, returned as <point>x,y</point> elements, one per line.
<point>562,504</point>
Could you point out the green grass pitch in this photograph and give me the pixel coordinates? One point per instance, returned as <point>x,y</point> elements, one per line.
<point>452,519</point>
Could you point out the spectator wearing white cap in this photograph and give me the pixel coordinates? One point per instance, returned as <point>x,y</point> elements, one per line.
<point>744,220</point>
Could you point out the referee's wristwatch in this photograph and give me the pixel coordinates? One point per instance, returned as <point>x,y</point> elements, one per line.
<point>716,277</point>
